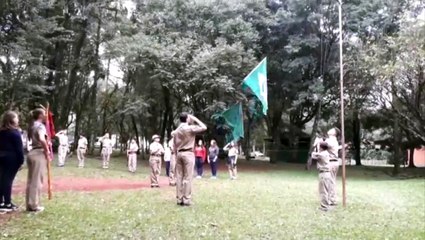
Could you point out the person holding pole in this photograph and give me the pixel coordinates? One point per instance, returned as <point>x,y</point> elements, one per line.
<point>333,148</point>
<point>325,179</point>
<point>37,160</point>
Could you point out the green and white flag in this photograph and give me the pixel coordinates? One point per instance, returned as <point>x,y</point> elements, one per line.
<point>232,118</point>
<point>256,81</point>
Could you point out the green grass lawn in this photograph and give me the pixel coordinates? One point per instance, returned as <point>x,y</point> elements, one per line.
<point>276,202</point>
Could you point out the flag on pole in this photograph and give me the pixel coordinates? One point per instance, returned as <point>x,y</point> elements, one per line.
<point>50,128</point>
<point>256,81</point>
<point>233,119</point>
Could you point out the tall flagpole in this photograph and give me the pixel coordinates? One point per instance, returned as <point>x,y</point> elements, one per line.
<point>341,81</point>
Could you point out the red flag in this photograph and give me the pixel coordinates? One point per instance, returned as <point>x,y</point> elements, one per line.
<point>50,128</point>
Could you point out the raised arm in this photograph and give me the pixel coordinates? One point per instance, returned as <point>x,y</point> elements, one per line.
<point>201,126</point>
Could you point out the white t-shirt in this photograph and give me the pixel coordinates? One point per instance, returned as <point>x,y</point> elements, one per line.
<point>167,154</point>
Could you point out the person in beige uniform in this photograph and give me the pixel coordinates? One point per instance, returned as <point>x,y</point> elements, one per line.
<point>63,147</point>
<point>156,151</point>
<point>184,143</point>
<point>132,155</point>
<point>106,151</point>
<point>81,150</point>
<point>333,148</point>
<point>325,179</point>
<point>37,160</point>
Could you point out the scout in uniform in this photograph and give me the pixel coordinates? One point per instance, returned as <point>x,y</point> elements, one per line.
<point>232,159</point>
<point>81,150</point>
<point>106,150</point>
<point>37,160</point>
<point>132,156</point>
<point>184,143</point>
<point>156,151</point>
<point>333,148</point>
<point>325,179</point>
<point>63,147</point>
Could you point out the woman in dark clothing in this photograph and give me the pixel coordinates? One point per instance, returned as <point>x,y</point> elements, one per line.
<point>11,158</point>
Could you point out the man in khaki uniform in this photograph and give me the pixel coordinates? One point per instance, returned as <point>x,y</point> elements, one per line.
<point>184,143</point>
<point>132,155</point>
<point>156,151</point>
<point>325,178</point>
<point>333,147</point>
<point>37,160</point>
<point>81,150</point>
<point>63,147</point>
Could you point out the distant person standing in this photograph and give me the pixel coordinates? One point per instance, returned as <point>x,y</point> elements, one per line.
<point>132,156</point>
<point>325,179</point>
<point>232,159</point>
<point>81,150</point>
<point>11,158</point>
<point>156,151</point>
<point>63,147</point>
<point>200,156</point>
<point>37,160</point>
<point>184,143</point>
<point>213,152</point>
<point>172,177</point>
<point>106,150</point>
<point>333,148</point>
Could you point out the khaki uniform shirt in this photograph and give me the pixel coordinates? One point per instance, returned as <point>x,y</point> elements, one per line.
<point>184,136</point>
<point>82,143</point>
<point>323,161</point>
<point>156,149</point>
<point>133,148</point>
<point>38,132</point>
<point>333,147</point>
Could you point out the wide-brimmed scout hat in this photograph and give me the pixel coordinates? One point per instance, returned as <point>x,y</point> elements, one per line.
<point>155,136</point>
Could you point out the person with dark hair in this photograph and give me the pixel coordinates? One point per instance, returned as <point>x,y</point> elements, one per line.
<point>200,155</point>
<point>325,178</point>
<point>213,158</point>
<point>11,158</point>
<point>37,160</point>
<point>184,143</point>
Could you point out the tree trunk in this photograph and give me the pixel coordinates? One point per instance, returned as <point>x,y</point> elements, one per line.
<point>357,138</point>
<point>136,131</point>
<point>397,153</point>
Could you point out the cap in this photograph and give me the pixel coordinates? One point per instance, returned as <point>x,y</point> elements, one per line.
<point>155,136</point>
